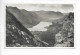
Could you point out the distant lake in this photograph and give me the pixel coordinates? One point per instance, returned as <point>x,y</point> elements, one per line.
<point>41,26</point>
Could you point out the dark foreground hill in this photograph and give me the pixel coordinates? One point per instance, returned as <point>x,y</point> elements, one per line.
<point>17,34</point>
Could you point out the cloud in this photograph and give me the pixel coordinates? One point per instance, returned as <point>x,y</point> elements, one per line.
<point>67,8</point>
<point>46,7</point>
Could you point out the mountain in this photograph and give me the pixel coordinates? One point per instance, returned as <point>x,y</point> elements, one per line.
<point>60,33</point>
<point>17,35</point>
<point>32,17</point>
<point>49,15</point>
<point>26,18</point>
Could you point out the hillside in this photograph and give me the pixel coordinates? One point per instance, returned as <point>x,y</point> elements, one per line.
<point>49,15</point>
<point>31,17</point>
<point>61,33</point>
<point>26,18</point>
<point>17,35</point>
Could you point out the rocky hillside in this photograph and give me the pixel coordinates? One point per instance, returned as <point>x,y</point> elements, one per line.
<point>17,35</point>
<point>61,33</point>
<point>65,37</point>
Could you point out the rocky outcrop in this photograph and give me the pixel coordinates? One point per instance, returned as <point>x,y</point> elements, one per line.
<point>65,37</point>
<point>61,33</point>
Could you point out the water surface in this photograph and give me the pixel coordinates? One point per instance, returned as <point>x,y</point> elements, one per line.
<point>41,26</point>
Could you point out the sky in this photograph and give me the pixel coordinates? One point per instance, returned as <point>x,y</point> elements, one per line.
<point>64,8</point>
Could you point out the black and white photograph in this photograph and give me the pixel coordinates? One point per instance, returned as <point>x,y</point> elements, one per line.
<point>39,25</point>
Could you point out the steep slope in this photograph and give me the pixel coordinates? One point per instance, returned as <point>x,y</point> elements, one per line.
<point>32,17</point>
<point>17,35</point>
<point>66,37</point>
<point>25,17</point>
<point>61,33</point>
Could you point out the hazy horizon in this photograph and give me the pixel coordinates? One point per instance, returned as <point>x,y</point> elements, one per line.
<point>64,8</point>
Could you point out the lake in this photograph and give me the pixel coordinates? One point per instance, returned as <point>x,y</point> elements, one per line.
<point>41,26</point>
